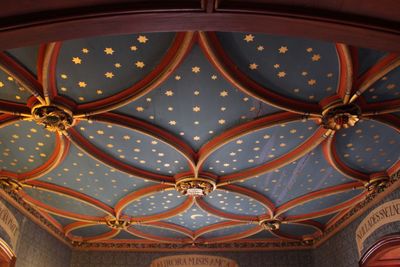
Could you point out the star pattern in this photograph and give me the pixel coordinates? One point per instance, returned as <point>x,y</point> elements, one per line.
<point>187,116</point>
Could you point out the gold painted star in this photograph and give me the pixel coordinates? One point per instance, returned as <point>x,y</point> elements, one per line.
<point>196,109</point>
<point>172,122</point>
<point>276,66</point>
<point>390,86</point>
<point>304,73</point>
<point>239,142</point>
<point>309,50</point>
<point>329,75</point>
<point>169,93</point>
<point>196,92</point>
<point>117,65</point>
<point>223,93</point>
<point>1,84</point>
<point>64,76</point>
<point>253,66</point>
<point>312,82</point>
<point>260,48</point>
<point>283,49</point>
<point>82,84</point>
<point>77,60</point>
<point>177,77</point>
<point>249,38</point>
<point>214,77</point>
<point>196,138</point>
<point>195,69</point>
<point>140,64</point>
<point>85,50</point>
<point>109,75</point>
<point>316,57</point>
<point>133,48</point>
<point>142,39</point>
<point>99,92</point>
<point>221,121</point>
<point>139,109</point>
<point>109,51</point>
<point>281,74</point>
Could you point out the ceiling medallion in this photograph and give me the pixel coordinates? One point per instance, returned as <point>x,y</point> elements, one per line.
<point>119,224</point>
<point>342,116</point>
<point>271,224</point>
<point>53,118</point>
<point>10,185</point>
<point>197,187</point>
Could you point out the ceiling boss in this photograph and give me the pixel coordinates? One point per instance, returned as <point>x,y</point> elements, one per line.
<point>53,118</point>
<point>197,187</point>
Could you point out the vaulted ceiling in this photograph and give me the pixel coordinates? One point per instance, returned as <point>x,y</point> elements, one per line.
<point>197,138</point>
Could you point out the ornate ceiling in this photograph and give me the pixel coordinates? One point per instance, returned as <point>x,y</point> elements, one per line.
<point>196,139</point>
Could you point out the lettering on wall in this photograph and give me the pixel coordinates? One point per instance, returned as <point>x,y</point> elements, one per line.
<point>9,224</point>
<point>384,214</point>
<point>193,261</point>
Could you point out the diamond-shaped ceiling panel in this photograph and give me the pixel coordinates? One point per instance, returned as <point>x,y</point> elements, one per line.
<point>195,138</point>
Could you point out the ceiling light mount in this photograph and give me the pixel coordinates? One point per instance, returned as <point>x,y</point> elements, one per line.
<point>195,186</point>
<point>270,224</point>
<point>53,118</point>
<point>340,116</point>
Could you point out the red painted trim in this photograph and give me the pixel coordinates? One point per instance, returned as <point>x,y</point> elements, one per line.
<point>72,194</point>
<point>60,152</point>
<point>216,226</point>
<point>156,238</point>
<point>243,129</point>
<point>149,129</point>
<point>266,202</point>
<point>346,72</point>
<point>310,223</point>
<point>138,194</point>
<point>52,220</point>
<point>172,227</point>
<point>81,142</point>
<point>222,214</point>
<point>40,62</point>
<point>327,211</point>
<point>384,107</point>
<point>332,157</point>
<point>296,153</point>
<point>219,58</point>
<point>171,60</point>
<point>49,70</point>
<point>76,225</point>
<point>237,236</point>
<point>282,235</point>
<point>7,119</point>
<point>40,205</point>
<point>356,65</point>
<point>13,108</point>
<point>22,75</point>
<point>316,195</point>
<point>105,236</point>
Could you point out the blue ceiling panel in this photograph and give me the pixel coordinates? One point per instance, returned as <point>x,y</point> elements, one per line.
<point>24,146</point>
<point>226,231</point>
<point>194,218</point>
<point>386,88</point>
<point>96,68</point>
<point>369,147</point>
<point>235,203</point>
<point>307,174</point>
<point>211,105</point>
<point>27,57</point>
<point>63,202</point>
<point>156,231</point>
<point>155,203</point>
<point>92,230</point>
<point>324,202</point>
<point>84,174</point>
<point>297,68</point>
<point>134,148</point>
<point>259,147</point>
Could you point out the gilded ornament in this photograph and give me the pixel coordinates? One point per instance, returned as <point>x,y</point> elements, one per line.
<point>9,184</point>
<point>118,223</point>
<point>53,118</point>
<point>271,224</point>
<point>338,117</point>
<point>197,187</point>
